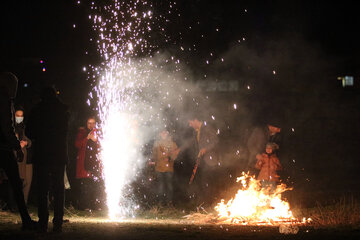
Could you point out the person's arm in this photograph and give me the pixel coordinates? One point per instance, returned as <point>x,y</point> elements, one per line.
<point>174,151</point>
<point>6,126</point>
<point>259,162</point>
<point>81,139</point>
<point>211,140</point>
<point>154,154</point>
<point>277,163</point>
<point>28,141</point>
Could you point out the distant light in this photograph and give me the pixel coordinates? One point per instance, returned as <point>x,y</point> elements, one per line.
<point>58,92</point>
<point>78,2</point>
<point>347,81</point>
<point>84,69</point>
<point>235,107</point>
<point>41,61</point>
<point>26,85</point>
<point>248,87</point>
<point>44,69</point>
<point>74,25</point>
<point>274,72</point>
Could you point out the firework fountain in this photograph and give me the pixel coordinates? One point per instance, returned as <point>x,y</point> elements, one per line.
<point>129,99</point>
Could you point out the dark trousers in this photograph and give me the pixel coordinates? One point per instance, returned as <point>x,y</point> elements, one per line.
<point>10,166</point>
<point>50,178</point>
<point>165,186</point>
<point>206,183</point>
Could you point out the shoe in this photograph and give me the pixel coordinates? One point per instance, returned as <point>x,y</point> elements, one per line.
<point>57,228</point>
<point>29,226</point>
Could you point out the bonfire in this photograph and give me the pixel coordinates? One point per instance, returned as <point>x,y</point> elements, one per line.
<point>253,204</point>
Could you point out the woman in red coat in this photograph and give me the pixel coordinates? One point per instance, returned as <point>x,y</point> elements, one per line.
<point>87,164</point>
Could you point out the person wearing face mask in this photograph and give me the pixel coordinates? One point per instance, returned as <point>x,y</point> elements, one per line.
<point>10,144</point>
<point>25,166</point>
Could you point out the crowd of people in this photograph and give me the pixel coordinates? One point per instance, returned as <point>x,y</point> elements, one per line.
<point>41,147</point>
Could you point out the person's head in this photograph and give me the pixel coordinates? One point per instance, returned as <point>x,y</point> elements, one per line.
<point>8,83</point>
<point>164,134</point>
<point>91,123</point>
<point>19,115</point>
<point>48,93</point>
<point>271,147</point>
<point>273,129</point>
<point>195,123</point>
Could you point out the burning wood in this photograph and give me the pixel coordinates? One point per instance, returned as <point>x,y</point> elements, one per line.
<point>252,205</point>
<point>255,205</point>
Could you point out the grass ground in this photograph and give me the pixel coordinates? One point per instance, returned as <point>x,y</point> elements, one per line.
<point>340,221</point>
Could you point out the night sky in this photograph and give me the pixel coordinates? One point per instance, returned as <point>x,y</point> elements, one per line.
<point>309,44</point>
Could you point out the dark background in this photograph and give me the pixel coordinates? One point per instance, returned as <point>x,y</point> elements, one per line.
<point>308,43</point>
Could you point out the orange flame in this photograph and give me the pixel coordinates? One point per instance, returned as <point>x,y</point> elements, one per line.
<point>255,205</point>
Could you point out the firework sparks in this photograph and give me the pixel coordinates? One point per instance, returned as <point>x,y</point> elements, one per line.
<point>122,27</point>
<point>124,91</point>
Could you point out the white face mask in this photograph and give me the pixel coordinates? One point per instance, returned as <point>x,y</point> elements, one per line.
<point>19,119</point>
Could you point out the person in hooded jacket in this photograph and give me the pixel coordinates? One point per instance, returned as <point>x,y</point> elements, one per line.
<point>269,165</point>
<point>47,127</point>
<point>9,144</point>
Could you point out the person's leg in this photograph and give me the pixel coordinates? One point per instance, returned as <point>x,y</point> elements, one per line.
<point>11,169</point>
<point>43,178</point>
<point>169,187</point>
<point>57,175</point>
<point>28,180</point>
<point>161,186</point>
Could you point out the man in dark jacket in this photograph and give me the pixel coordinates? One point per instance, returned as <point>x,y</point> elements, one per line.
<point>47,128</point>
<point>9,145</point>
<point>206,141</point>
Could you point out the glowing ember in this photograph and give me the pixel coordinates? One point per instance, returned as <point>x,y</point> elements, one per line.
<point>254,205</point>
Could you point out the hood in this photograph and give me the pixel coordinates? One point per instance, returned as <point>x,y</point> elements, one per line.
<point>9,82</point>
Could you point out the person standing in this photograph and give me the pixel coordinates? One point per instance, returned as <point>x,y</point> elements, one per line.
<point>48,127</point>
<point>9,144</point>
<point>87,168</point>
<point>25,166</point>
<point>258,138</point>
<point>268,164</point>
<point>165,152</point>
<point>206,141</point>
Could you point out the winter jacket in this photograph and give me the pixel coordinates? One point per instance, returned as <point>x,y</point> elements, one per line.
<point>164,155</point>
<point>86,159</point>
<point>20,134</point>
<point>257,140</point>
<point>47,127</point>
<point>208,139</point>
<point>268,166</point>
<point>8,140</point>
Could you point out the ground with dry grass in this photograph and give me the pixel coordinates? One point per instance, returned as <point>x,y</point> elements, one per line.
<point>340,221</point>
